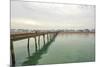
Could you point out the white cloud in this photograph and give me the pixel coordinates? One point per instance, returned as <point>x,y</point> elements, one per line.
<point>55,15</point>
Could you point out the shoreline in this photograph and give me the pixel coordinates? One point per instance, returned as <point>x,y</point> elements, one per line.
<point>76,32</point>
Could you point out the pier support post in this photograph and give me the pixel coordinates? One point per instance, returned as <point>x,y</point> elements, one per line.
<point>28,48</point>
<point>35,44</point>
<point>39,42</point>
<point>44,39</point>
<point>12,53</point>
<point>50,37</point>
<point>47,38</point>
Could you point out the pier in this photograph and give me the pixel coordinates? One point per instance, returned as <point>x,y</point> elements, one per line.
<point>47,37</point>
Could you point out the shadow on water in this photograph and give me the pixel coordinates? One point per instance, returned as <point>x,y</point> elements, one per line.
<point>33,60</point>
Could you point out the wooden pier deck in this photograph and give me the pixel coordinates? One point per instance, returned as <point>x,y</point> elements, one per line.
<point>19,36</point>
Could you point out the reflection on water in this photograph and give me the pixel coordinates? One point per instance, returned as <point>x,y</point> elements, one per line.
<point>33,60</point>
<point>65,48</point>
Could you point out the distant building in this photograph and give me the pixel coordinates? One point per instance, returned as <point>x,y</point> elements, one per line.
<point>80,31</point>
<point>86,30</point>
<point>93,30</point>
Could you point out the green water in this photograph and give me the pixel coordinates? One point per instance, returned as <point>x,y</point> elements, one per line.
<point>64,48</point>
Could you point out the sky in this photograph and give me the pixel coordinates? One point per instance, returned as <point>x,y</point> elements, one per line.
<point>37,15</point>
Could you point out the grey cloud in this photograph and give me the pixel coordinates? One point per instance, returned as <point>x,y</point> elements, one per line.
<point>84,15</point>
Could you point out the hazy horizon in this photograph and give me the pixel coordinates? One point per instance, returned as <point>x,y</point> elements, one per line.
<point>33,15</point>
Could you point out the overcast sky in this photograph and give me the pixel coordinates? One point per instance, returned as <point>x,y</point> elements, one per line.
<point>34,15</point>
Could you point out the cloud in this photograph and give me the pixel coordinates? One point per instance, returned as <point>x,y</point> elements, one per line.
<point>55,15</point>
